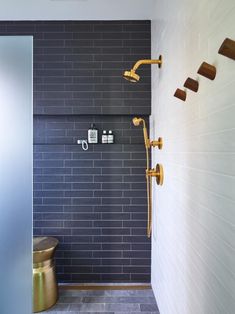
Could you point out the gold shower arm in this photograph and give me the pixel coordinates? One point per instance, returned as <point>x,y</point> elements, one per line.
<point>131,76</point>
<point>147,61</point>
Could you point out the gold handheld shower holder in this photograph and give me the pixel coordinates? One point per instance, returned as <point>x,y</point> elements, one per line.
<point>147,142</point>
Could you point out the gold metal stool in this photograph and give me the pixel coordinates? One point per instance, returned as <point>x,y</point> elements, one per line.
<point>45,288</point>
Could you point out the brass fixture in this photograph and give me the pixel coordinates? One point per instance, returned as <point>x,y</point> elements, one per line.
<point>131,76</point>
<point>158,143</point>
<point>156,172</point>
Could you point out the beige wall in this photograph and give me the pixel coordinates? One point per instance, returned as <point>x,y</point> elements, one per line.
<point>193,247</point>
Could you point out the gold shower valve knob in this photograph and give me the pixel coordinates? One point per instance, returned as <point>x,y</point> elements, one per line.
<point>158,143</point>
<point>156,172</point>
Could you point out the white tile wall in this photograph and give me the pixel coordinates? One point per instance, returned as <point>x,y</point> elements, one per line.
<point>193,245</point>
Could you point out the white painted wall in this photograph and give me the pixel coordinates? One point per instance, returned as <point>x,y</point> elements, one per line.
<point>193,247</point>
<point>75,9</point>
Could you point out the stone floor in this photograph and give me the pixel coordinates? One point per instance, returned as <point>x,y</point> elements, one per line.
<point>105,301</point>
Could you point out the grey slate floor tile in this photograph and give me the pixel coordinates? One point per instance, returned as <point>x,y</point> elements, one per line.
<point>105,301</point>
<point>122,307</point>
<point>87,307</point>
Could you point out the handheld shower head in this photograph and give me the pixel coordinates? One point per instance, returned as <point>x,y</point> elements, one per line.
<point>136,121</point>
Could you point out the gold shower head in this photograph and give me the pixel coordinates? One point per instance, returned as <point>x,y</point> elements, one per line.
<point>131,76</point>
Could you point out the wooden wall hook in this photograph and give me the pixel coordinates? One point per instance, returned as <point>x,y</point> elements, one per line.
<point>207,70</point>
<point>191,84</point>
<point>227,48</point>
<point>181,94</point>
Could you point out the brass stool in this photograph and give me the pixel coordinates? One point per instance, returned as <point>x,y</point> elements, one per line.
<point>45,289</point>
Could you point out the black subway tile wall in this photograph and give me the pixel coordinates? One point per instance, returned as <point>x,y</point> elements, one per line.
<point>78,66</point>
<point>94,202</point>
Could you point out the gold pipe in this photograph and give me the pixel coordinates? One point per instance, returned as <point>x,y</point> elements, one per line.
<point>148,181</point>
<point>148,186</point>
<point>150,197</point>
